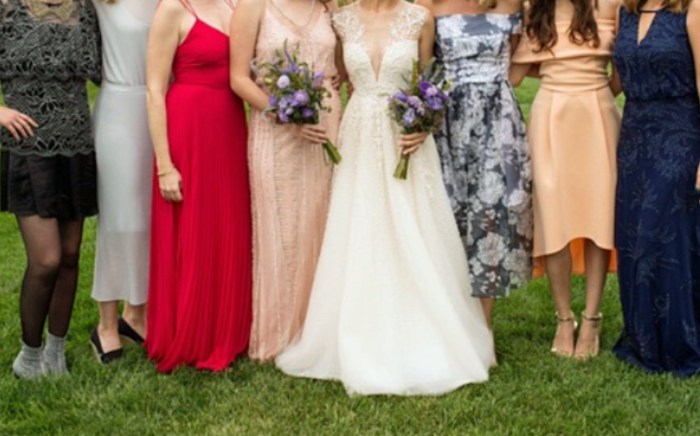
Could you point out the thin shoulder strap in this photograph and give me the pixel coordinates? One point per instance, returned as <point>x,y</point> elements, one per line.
<point>189,7</point>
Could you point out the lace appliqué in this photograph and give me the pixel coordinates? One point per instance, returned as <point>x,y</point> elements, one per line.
<point>43,69</point>
<point>408,24</point>
<point>348,25</point>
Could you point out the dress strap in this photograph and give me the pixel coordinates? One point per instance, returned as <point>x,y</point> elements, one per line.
<point>189,7</point>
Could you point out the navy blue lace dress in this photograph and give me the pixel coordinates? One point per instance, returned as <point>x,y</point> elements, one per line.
<point>657,210</point>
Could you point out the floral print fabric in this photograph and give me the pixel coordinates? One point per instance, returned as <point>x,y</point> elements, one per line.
<point>483,149</point>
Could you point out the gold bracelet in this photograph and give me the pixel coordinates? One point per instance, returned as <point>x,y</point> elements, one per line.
<point>166,172</point>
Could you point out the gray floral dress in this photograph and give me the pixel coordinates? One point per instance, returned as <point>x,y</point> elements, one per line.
<point>483,148</point>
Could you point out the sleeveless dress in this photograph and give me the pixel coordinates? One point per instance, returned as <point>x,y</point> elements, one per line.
<point>290,183</point>
<point>657,228</point>
<point>573,132</point>
<point>199,309</point>
<point>390,311</point>
<point>124,154</point>
<point>483,148</point>
<point>47,55</point>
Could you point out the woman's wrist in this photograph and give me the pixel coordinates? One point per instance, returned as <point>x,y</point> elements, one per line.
<point>164,167</point>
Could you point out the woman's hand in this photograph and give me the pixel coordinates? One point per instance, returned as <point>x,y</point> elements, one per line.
<point>170,184</point>
<point>337,82</point>
<point>411,143</point>
<point>19,125</point>
<point>314,134</point>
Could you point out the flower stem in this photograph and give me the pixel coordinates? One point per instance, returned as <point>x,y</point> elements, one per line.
<point>333,153</point>
<point>401,171</point>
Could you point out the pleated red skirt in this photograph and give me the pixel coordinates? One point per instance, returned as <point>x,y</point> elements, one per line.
<point>199,310</point>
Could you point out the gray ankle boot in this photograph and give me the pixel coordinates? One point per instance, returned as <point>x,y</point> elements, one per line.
<point>28,363</point>
<point>55,356</point>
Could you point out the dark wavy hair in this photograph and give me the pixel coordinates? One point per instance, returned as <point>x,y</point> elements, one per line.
<point>542,27</point>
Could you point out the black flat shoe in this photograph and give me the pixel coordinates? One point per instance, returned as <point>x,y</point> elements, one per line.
<point>102,357</point>
<point>129,333</point>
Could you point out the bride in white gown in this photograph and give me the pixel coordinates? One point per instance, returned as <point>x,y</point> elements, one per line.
<point>390,309</point>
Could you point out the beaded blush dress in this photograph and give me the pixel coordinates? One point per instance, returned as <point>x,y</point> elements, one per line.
<point>290,185</point>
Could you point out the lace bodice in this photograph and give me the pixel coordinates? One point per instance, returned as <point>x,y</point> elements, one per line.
<point>661,66</point>
<point>476,48</point>
<point>379,58</point>
<point>38,42</point>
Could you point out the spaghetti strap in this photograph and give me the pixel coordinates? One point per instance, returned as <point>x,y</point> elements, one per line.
<point>189,7</point>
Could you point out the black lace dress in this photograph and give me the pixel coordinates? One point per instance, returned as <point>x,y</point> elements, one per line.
<point>47,54</point>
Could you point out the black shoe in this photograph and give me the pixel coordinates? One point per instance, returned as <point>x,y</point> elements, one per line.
<point>102,357</point>
<point>129,333</point>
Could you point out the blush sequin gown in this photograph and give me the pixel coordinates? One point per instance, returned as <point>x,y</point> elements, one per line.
<point>290,183</point>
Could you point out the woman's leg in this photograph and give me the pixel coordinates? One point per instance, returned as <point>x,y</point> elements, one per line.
<point>42,243</point>
<point>108,328</point>
<point>558,266</point>
<point>63,297</point>
<point>135,316</point>
<point>487,306</point>
<point>67,282</point>
<point>597,260</point>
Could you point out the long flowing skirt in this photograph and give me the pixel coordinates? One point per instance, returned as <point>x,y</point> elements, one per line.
<point>124,162</point>
<point>658,235</point>
<point>199,311</point>
<point>390,311</point>
<point>290,185</point>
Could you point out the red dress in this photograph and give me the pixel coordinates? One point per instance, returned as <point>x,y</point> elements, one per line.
<point>199,311</point>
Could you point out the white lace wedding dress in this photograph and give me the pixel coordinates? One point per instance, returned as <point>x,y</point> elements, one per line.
<point>390,309</point>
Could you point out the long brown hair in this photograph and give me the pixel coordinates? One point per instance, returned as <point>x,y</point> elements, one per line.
<point>541,24</point>
<point>676,6</point>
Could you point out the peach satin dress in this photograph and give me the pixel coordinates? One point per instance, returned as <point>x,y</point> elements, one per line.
<point>573,131</point>
<point>290,183</point>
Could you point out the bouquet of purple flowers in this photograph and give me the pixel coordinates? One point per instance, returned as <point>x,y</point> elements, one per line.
<point>296,93</point>
<point>420,108</point>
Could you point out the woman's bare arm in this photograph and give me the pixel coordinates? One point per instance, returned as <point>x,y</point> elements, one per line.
<point>162,45</point>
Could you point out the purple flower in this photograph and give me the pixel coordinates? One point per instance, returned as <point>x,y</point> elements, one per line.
<point>301,98</point>
<point>401,96</point>
<point>435,104</point>
<point>283,117</point>
<point>432,91</point>
<point>423,86</point>
<point>273,101</point>
<point>409,118</point>
<point>291,69</point>
<point>414,102</point>
<point>283,81</point>
<point>318,80</point>
<point>285,102</point>
<point>307,113</point>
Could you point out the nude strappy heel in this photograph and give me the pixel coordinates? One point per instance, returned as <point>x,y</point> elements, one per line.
<point>571,318</point>
<point>595,349</point>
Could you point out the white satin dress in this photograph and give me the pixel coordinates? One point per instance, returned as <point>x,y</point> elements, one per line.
<point>124,154</point>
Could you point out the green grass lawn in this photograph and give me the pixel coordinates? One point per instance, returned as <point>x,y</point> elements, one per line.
<point>530,393</point>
